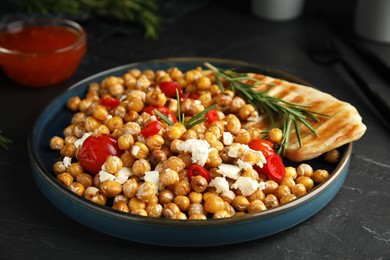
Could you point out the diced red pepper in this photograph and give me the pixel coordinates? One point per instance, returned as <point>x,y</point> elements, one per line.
<point>169,88</point>
<point>110,102</point>
<point>163,110</point>
<point>262,145</point>
<point>212,116</point>
<point>274,168</point>
<point>151,129</point>
<point>196,169</point>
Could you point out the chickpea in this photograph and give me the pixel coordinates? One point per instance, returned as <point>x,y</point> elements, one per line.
<point>233,125</point>
<point>257,195</point>
<point>73,103</point>
<point>196,216</point>
<point>318,176</point>
<point>196,208</point>
<point>154,211</point>
<point>125,141</point>
<point>242,137</point>
<point>99,112</point>
<point>139,150</point>
<point>95,195</point>
<point>213,159</point>
<point>195,197</point>
<point>221,214</point>
<point>256,206</point>
<point>165,196</point>
<point>56,143</point>
<point>154,142</point>
<point>174,163</point>
<point>59,167</point>
<point>213,204</point>
<point>85,179</point>
<point>145,191</point>
<point>236,103</point>
<point>68,150</point>
<point>113,164</point>
<point>156,99</point>
<point>304,170</point>
<point>183,202</point>
<point>240,203</point>
<point>270,187</point>
<point>140,167</point>
<point>114,123</point>
<point>246,111</point>
<point>169,177</point>
<point>282,190</point>
<point>181,188</point>
<point>130,188</point>
<point>291,172</point>
<point>136,204</point>
<point>228,196</point>
<point>287,198</point>
<point>65,178</point>
<point>271,201</point>
<point>121,206</point>
<point>156,157</point>
<point>298,190</point>
<point>120,198</point>
<point>77,188</point>
<point>175,131</point>
<point>91,124</point>
<point>307,181</point>
<point>111,188</point>
<point>127,159</point>
<point>170,210</point>
<point>131,116</point>
<point>199,183</point>
<point>75,169</point>
<point>333,156</point>
<point>275,135</point>
<point>140,212</point>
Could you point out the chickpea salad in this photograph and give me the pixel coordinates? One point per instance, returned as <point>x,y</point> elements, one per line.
<point>176,144</point>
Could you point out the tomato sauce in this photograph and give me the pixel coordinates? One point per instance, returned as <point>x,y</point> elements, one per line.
<point>42,56</point>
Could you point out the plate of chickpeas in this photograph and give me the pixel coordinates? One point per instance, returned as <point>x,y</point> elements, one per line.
<point>158,147</point>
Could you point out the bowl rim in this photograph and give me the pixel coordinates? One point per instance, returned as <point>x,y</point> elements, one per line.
<point>128,217</point>
<point>40,22</point>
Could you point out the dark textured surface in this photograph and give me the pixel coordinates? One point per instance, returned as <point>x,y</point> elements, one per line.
<point>355,225</point>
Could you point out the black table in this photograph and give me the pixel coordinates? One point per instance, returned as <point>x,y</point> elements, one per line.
<point>354,225</point>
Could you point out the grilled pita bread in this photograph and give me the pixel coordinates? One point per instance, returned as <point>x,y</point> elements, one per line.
<point>344,124</point>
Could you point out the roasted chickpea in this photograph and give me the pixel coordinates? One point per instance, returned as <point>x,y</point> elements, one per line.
<point>73,103</point>
<point>333,156</point>
<point>282,190</point>
<point>275,135</point>
<point>195,197</point>
<point>318,176</point>
<point>213,204</point>
<point>307,181</point>
<point>170,210</point>
<point>154,211</point>
<point>59,167</point>
<point>271,201</point>
<point>65,178</point>
<point>140,167</point>
<point>139,150</point>
<point>165,196</point>
<point>111,188</point>
<point>75,169</point>
<point>181,188</point>
<point>287,198</point>
<point>298,190</point>
<point>113,164</point>
<point>183,202</point>
<point>77,188</point>
<point>95,195</point>
<point>121,206</point>
<point>240,203</point>
<point>256,206</point>
<point>154,142</point>
<point>199,183</point>
<point>56,143</point>
<point>130,188</point>
<point>169,177</point>
<point>136,204</point>
<point>270,187</point>
<point>304,170</point>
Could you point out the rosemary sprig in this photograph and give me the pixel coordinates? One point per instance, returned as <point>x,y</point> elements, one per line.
<point>196,119</point>
<point>277,109</point>
<point>4,141</point>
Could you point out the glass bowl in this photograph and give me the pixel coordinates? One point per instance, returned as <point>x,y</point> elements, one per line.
<point>40,52</point>
<point>162,231</point>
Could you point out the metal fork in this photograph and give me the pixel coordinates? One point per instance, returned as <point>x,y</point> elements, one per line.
<point>323,50</point>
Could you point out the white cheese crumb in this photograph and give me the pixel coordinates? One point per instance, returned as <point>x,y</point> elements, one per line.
<point>246,185</point>
<point>153,118</point>
<point>123,97</point>
<point>221,184</point>
<point>199,150</point>
<point>153,177</point>
<point>135,150</point>
<point>123,174</point>
<point>262,185</point>
<point>244,165</point>
<point>108,117</point>
<point>106,176</point>
<point>229,170</point>
<point>67,161</point>
<point>227,138</point>
<point>79,142</point>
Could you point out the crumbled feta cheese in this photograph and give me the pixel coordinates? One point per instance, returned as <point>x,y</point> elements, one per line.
<point>228,170</point>
<point>262,185</point>
<point>199,150</point>
<point>123,174</point>
<point>197,102</point>
<point>106,176</point>
<point>123,97</point>
<point>246,185</point>
<point>244,165</point>
<point>234,151</point>
<point>135,150</point>
<point>153,118</point>
<point>221,184</point>
<point>108,117</point>
<point>67,161</point>
<point>229,194</point>
<point>227,138</point>
<point>79,142</point>
<point>153,177</point>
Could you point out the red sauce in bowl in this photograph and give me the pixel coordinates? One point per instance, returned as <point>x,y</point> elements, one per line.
<point>41,55</point>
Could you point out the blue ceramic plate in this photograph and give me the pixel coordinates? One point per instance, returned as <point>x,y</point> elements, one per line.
<point>166,231</point>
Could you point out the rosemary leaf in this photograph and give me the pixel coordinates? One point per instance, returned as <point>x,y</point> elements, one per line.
<point>166,119</point>
<point>198,116</point>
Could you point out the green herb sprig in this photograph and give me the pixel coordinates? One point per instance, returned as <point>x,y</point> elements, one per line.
<point>195,120</point>
<point>4,141</point>
<point>277,109</point>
